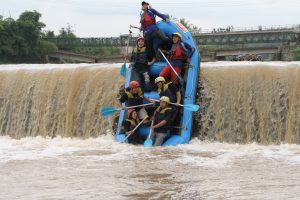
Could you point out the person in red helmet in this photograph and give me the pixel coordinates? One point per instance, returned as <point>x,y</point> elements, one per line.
<point>129,124</point>
<point>150,29</point>
<point>133,96</point>
<point>178,55</point>
<point>140,69</point>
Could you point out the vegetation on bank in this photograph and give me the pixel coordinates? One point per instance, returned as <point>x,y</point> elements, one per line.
<point>297,54</point>
<point>99,52</point>
<point>22,40</point>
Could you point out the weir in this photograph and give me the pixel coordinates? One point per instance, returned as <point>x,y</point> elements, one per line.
<point>241,102</point>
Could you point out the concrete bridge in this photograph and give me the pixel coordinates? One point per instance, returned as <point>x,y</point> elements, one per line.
<point>215,45</point>
<point>60,55</point>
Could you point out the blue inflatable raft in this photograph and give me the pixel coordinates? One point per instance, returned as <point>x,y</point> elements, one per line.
<point>191,80</point>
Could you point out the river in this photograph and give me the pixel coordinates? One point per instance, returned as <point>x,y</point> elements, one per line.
<point>54,144</point>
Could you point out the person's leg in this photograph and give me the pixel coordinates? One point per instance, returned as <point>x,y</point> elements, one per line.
<point>165,40</point>
<point>174,77</point>
<point>159,139</point>
<point>147,80</point>
<point>149,46</point>
<point>166,72</point>
<point>135,76</point>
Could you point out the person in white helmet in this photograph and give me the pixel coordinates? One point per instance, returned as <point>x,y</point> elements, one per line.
<point>162,117</point>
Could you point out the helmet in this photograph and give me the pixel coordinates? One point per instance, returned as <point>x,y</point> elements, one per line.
<point>177,34</point>
<point>144,2</point>
<point>140,38</point>
<point>165,99</point>
<point>134,84</point>
<point>160,79</point>
<point>130,111</point>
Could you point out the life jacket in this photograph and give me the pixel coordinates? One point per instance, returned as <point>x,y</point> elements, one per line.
<point>139,55</point>
<point>148,19</point>
<point>178,51</point>
<point>166,91</point>
<point>133,123</point>
<point>160,114</point>
<point>135,100</point>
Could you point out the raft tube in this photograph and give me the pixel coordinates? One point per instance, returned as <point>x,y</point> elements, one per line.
<point>191,80</point>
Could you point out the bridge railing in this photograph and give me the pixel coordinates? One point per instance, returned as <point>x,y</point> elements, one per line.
<point>244,36</point>
<point>251,29</point>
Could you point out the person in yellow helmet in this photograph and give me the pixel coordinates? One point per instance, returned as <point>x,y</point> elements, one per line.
<point>170,90</point>
<point>162,118</point>
<point>179,53</point>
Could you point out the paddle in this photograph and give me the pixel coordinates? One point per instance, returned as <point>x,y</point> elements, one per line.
<point>123,67</point>
<point>131,26</point>
<point>191,107</point>
<point>134,130</point>
<point>181,81</point>
<point>149,142</point>
<point>108,111</point>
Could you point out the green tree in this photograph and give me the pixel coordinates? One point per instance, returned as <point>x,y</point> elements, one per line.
<point>297,54</point>
<point>67,32</point>
<point>21,40</point>
<point>191,27</point>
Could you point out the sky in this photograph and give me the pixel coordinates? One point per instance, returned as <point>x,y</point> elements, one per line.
<point>111,18</point>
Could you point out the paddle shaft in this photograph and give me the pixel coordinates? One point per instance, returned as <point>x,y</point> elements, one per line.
<point>127,47</point>
<point>131,26</point>
<point>169,63</point>
<point>131,132</point>
<point>151,130</point>
<point>169,103</point>
<point>147,104</point>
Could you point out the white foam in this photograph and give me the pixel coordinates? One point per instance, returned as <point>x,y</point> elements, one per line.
<point>232,64</point>
<point>219,155</point>
<point>14,67</point>
<point>104,148</point>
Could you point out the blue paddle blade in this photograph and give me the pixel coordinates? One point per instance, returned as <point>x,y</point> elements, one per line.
<point>148,143</point>
<point>192,107</point>
<point>123,70</point>
<point>107,111</point>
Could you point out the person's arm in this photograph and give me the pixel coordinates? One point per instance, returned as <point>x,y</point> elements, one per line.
<point>122,99</point>
<point>174,89</point>
<point>160,124</point>
<point>162,16</point>
<point>131,57</point>
<point>178,97</point>
<point>190,49</point>
<point>149,100</point>
<point>152,61</point>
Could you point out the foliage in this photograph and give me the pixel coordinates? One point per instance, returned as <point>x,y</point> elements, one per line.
<point>297,54</point>
<point>21,39</point>
<point>98,51</point>
<point>191,27</point>
<point>67,32</point>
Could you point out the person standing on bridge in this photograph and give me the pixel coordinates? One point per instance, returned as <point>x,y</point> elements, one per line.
<point>150,29</point>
